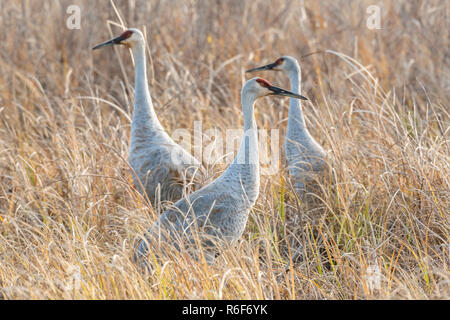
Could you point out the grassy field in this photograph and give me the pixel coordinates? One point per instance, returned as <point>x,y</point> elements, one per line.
<point>378,228</point>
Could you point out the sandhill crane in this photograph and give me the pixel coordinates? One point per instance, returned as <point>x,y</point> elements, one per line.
<point>304,155</point>
<point>218,211</point>
<point>159,164</point>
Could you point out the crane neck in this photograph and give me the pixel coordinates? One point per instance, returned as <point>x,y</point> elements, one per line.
<point>242,175</point>
<point>143,107</point>
<point>248,104</point>
<point>248,150</point>
<point>296,118</point>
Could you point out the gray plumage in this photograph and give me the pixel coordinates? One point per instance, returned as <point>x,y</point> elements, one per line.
<point>305,157</point>
<point>218,211</point>
<point>161,167</point>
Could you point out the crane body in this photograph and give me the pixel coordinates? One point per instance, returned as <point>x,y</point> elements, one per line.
<point>305,157</point>
<point>219,211</point>
<point>161,167</point>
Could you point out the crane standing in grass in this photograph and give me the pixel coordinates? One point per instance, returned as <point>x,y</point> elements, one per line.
<point>304,156</point>
<point>161,166</point>
<point>218,211</point>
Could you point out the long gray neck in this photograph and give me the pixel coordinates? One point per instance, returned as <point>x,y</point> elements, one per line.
<point>295,119</point>
<point>143,113</point>
<point>248,150</point>
<point>242,176</point>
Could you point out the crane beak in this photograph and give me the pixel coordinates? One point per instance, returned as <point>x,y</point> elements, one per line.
<point>111,42</point>
<point>275,91</point>
<point>271,66</point>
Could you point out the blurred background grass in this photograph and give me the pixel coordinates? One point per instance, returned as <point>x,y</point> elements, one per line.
<point>69,214</point>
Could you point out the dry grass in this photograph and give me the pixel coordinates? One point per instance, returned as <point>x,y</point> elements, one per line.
<point>379,105</point>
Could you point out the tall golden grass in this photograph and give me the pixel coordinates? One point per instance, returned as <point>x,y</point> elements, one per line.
<point>69,213</point>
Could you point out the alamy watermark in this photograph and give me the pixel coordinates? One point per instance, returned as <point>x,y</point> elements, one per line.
<point>374,19</point>
<point>74,278</point>
<point>74,19</point>
<point>213,147</point>
<point>373,277</point>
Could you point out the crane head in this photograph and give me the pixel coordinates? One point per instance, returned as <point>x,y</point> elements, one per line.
<point>262,88</point>
<point>128,38</point>
<point>284,63</point>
